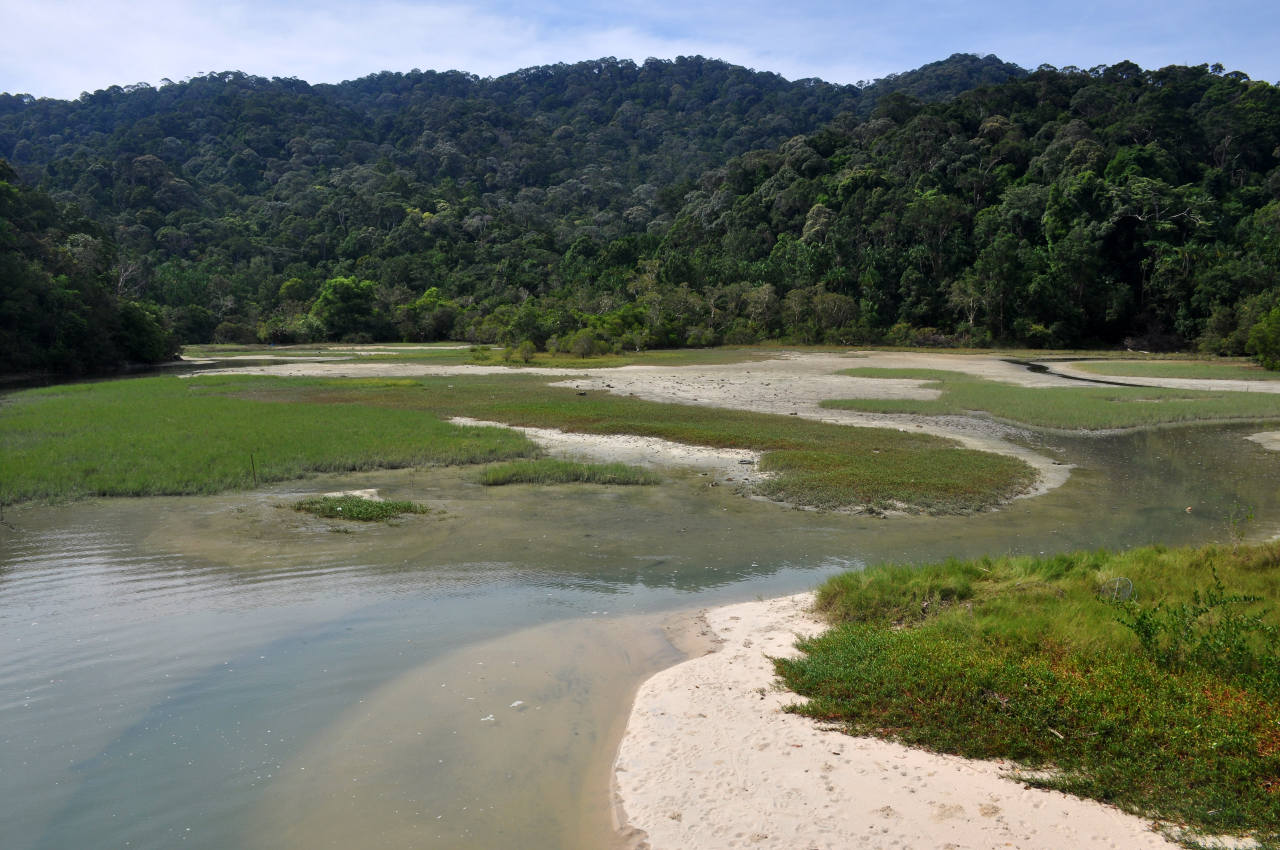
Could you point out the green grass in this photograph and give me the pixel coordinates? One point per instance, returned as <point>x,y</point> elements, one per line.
<point>1089,408</point>
<point>206,434</point>
<point>1165,705</point>
<point>169,436</point>
<point>815,464</point>
<point>1232,370</point>
<point>358,509</point>
<point>552,471</point>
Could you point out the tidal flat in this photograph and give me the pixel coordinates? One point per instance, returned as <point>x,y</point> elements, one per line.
<point>226,671</point>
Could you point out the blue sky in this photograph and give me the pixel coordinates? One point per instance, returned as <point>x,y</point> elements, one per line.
<point>60,48</point>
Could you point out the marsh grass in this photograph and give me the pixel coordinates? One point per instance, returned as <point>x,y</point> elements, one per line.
<point>553,471</point>
<point>1235,370</point>
<point>169,436</point>
<point>1164,705</point>
<point>1087,408</point>
<point>206,434</point>
<point>358,509</point>
<point>816,464</point>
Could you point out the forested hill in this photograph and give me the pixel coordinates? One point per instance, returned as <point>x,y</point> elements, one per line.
<point>231,200</point>
<point>1065,208</point>
<point>679,202</point>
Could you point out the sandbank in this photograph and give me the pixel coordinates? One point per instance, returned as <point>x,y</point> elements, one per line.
<point>1234,385</point>
<point>789,383</point>
<point>1269,440</point>
<point>733,465</point>
<point>710,760</point>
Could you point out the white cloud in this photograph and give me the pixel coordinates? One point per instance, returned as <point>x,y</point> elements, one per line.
<point>62,47</point>
<point>70,46</point>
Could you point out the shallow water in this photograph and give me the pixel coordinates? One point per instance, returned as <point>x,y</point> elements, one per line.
<point>224,672</point>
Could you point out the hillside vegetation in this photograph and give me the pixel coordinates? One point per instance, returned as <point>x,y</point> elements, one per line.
<point>690,202</point>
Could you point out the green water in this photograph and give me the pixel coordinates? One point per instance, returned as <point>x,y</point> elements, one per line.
<point>228,673</point>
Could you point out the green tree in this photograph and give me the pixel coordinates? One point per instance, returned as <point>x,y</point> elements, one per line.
<point>1264,340</point>
<point>345,308</point>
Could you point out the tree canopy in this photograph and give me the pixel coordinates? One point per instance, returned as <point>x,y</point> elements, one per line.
<point>685,202</point>
<point>58,312</point>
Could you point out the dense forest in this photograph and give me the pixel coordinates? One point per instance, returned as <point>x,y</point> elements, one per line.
<point>1101,207</point>
<point>686,202</point>
<point>57,312</point>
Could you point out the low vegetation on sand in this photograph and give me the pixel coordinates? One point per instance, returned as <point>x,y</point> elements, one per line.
<point>169,435</point>
<point>1084,407</point>
<point>1148,679</point>
<point>1231,370</point>
<point>552,471</point>
<point>358,508</point>
<point>814,464</point>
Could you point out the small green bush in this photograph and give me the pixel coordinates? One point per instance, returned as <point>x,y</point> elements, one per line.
<point>358,508</point>
<point>1215,632</point>
<point>551,471</point>
<point>1264,340</point>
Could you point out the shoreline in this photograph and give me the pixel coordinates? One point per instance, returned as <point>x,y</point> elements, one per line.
<point>708,759</point>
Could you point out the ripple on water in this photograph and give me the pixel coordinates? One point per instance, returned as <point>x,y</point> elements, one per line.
<point>160,671</point>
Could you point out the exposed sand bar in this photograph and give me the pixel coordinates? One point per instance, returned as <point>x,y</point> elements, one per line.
<point>1216,385</point>
<point>1269,440</point>
<point>709,760</point>
<point>785,383</point>
<point>738,464</point>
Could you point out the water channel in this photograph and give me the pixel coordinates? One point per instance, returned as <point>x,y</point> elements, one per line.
<point>224,672</point>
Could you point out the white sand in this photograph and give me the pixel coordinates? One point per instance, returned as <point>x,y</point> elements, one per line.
<point>710,761</point>
<point>796,384</point>
<point>1205,384</point>
<point>370,493</point>
<point>741,465</point>
<point>1269,440</point>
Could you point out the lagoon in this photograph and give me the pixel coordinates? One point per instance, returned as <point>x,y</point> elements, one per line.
<point>223,672</point>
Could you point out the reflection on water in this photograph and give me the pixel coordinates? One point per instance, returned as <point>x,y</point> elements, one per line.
<point>226,672</point>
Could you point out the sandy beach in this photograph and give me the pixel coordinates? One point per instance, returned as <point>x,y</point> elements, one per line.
<point>709,760</point>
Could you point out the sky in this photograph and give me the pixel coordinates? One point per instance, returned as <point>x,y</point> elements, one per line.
<point>61,48</point>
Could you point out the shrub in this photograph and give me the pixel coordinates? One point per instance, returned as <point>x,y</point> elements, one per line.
<point>552,471</point>
<point>239,333</point>
<point>584,343</point>
<point>357,508</point>
<point>1264,340</point>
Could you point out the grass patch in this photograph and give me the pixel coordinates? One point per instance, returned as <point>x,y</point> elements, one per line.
<point>169,436</point>
<point>1233,370</point>
<point>358,508</point>
<point>153,436</point>
<point>552,471</point>
<point>1164,705</point>
<point>1088,408</point>
<point>815,464</point>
